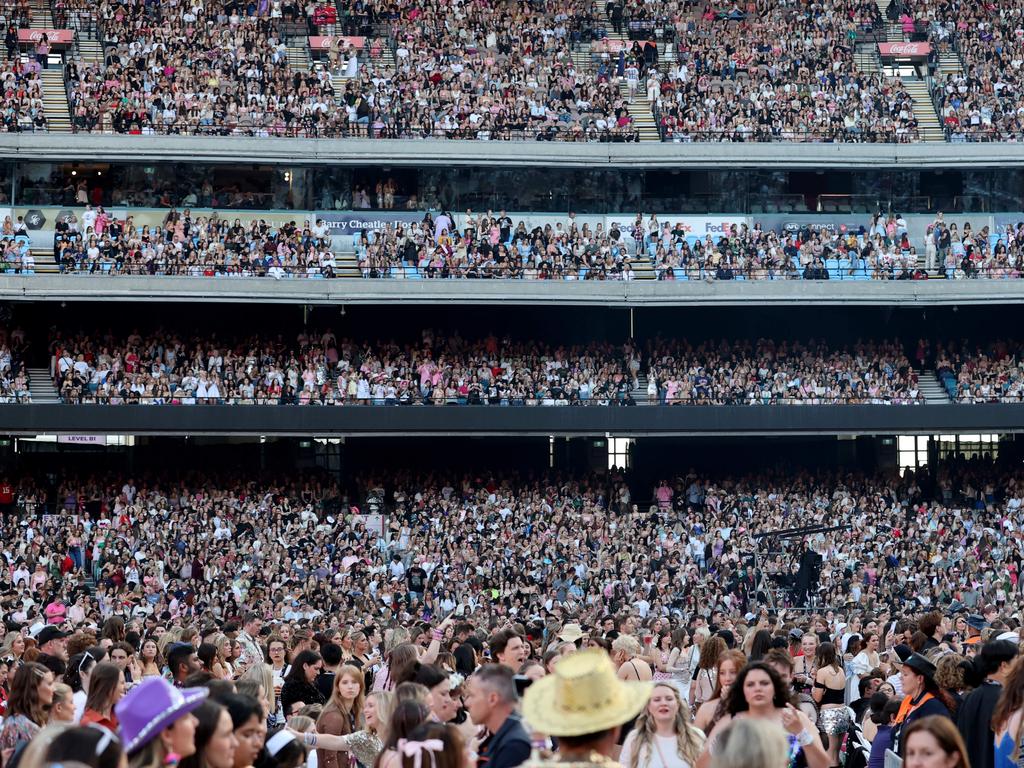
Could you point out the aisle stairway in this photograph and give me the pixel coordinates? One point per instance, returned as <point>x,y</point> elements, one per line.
<point>928,124</point>
<point>949,64</point>
<point>642,268</point>
<point>90,51</point>
<point>640,390</point>
<point>866,59</point>
<point>41,387</point>
<point>41,16</point>
<point>298,54</point>
<point>931,389</point>
<point>55,101</point>
<point>348,264</point>
<point>45,263</point>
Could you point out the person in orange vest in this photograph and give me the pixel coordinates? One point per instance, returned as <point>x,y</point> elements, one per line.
<point>922,696</point>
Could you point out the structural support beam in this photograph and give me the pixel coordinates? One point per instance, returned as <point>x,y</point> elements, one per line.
<point>496,420</point>
<point>639,293</point>
<point>397,152</point>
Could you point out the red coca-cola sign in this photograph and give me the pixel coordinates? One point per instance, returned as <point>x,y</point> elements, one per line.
<point>54,36</point>
<point>324,42</point>
<point>905,50</point>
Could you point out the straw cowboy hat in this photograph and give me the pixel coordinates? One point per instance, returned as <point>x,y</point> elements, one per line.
<point>583,696</point>
<point>571,633</point>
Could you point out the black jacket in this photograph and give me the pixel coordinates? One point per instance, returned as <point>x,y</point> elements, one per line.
<point>974,720</point>
<point>507,748</point>
<point>295,690</point>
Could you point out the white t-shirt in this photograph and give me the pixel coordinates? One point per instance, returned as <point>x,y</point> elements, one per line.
<point>663,753</point>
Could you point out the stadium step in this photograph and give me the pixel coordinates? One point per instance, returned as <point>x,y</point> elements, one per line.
<point>928,125</point>
<point>55,101</point>
<point>90,51</point>
<point>41,16</point>
<point>640,390</point>
<point>928,384</point>
<point>46,264</point>
<point>348,264</point>
<point>298,55</point>
<point>893,32</point>
<point>642,268</point>
<point>41,387</point>
<point>642,113</point>
<point>949,64</point>
<point>582,58</point>
<point>866,59</point>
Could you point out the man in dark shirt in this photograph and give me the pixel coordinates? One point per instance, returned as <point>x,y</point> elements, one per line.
<point>417,579</point>
<point>491,700</point>
<point>465,653</point>
<point>974,718</point>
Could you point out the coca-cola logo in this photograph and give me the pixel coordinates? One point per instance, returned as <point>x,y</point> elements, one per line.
<point>904,48</point>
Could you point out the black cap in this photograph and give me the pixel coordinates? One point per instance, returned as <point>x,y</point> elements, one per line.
<point>921,665</point>
<point>48,633</point>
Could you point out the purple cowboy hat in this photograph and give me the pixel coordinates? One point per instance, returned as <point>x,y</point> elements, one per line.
<point>150,707</point>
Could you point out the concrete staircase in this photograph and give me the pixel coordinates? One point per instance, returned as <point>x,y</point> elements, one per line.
<point>41,386</point>
<point>45,262</point>
<point>641,111</point>
<point>640,390</point>
<point>41,16</point>
<point>55,101</point>
<point>949,64</point>
<point>928,125</point>
<point>90,51</point>
<point>928,384</point>
<point>866,59</point>
<point>348,264</point>
<point>642,267</point>
<point>298,54</point>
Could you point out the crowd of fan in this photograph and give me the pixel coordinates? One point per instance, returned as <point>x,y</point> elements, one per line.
<point>198,69</point>
<point>983,101</point>
<point>200,246</point>
<point>992,373</point>
<point>301,545</point>
<point>280,599</point>
<point>14,386</point>
<point>21,95</point>
<point>767,372</point>
<point>320,369</point>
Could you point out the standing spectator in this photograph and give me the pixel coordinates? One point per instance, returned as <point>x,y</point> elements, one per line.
<point>975,718</point>
<point>491,701</point>
<point>31,696</point>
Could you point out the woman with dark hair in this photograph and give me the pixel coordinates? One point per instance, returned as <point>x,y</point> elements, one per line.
<point>987,674</point>
<point>922,696</point>
<point>442,706</point>
<point>284,750</point>
<point>300,683</point>
<point>829,691</point>
<point>452,753</point>
<point>215,738</point>
<point>77,675</point>
<point>106,687</point>
<point>761,645</point>
<point>95,747</point>
<point>759,693</point>
<point>249,724</point>
<point>408,715</point>
<point>31,696</point>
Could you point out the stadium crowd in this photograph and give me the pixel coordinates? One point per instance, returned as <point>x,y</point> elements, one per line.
<point>21,102</point>
<point>983,374</point>
<point>318,368</point>
<point>200,246</point>
<point>768,71</point>
<point>284,617</point>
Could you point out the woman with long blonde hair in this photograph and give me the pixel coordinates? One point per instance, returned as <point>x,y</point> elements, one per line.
<point>662,736</point>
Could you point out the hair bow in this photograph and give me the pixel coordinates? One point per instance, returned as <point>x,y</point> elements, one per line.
<point>415,750</point>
